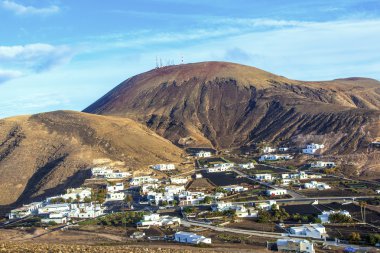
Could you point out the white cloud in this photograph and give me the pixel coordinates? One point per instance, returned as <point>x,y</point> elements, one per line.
<point>20,9</point>
<point>6,75</point>
<point>32,58</point>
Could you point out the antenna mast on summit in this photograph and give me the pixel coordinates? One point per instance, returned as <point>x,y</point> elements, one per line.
<point>181,59</point>
<point>160,63</point>
<point>156,62</point>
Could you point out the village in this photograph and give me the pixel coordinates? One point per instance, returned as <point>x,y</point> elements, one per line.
<point>225,198</point>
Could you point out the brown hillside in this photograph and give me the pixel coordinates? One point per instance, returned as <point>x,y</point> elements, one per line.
<point>228,105</point>
<point>45,153</point>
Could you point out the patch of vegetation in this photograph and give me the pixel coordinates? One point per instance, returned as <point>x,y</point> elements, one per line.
<point>340,218</point>
<point>305,218</point>
<point>276,214</point>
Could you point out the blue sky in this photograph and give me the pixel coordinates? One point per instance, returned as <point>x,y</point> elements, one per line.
<point>57,54</point>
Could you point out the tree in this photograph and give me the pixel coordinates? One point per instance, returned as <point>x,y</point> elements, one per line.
<point>128,199</point>
<point>339,218</point>
<point>207,200</point>
<point>354,237</point>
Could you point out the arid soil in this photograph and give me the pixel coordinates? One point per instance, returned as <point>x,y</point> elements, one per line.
<point>44,154</point>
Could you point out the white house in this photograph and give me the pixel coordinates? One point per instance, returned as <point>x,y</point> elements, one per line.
<point>186,237</point>
<point>117,175</point>
<point>240,210</point>
<point>115,188</point>
<point>25,210</point>
<point>283,149</point>
<point>317,231</point>
<point>247,166</point>
<point>157,220</point>
<point>178,180</point>
<point>58,218</point>
<point>378,191</point>
<point>264,177</point>
<point>143,180</point>
<point>326,215</point>
<point>268,205</point>
<point>295,245</point>
<point>157,198</point>
<point>113,196</point>
<point>317,185</point>
<point>203,154</point>
<point>312,148</point>
<point>275,157</point>
<point>86,210</point>
<point>320,164</point>
<point>145,188</point>
<point>198,175</point>
<point>164,167</point>
<point>276,192</point>
<point>268,150</point>
<point>174,189</point>
<point>190,198</point>
<point>77,193</point>
<point>235,188</point>
<point>54,208</point>
<point>100,171</point>
<point>221,167</point>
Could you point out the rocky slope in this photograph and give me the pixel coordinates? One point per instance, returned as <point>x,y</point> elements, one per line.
<point>228,105</point>
<point>44,154</point>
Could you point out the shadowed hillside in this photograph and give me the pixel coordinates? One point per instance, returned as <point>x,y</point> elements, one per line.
<point>43,154</point>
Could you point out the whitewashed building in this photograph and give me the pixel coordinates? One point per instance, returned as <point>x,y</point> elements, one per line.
<point>190,198</point>
<point>203,154</point>
<point>321,164</point>
<point>264,177</point>
<point>186,237</point>
<point>312,148</point>
<point>326,215</point>
<point>267,206</point>
<point>317,185</point>
<point>178,180</point>
<point>247,166</point>
<point>275,157</point>
<point>58,218</point>
<point>317,231</point>
<point>283,149</point>
<point>269,150</point>
<point>235,188</point>
<point>136,181</point>
<point>54,208</point>
<point>86,210</point>
<point>115,187</point>
<point>276,192</point>
<point>114,196</point>
<point>100,171</point>
<point>156,220</point>
<point>164,167</point>
<point>25,210</point>
<point>221,167</point>
<point>295,245</point>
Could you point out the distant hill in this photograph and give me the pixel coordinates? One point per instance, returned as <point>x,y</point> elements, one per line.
<point>226,105</point>
<point>230,105</point>
<point>43,154</point>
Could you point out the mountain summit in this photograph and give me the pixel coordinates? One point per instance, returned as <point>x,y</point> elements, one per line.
<point>230,105</point>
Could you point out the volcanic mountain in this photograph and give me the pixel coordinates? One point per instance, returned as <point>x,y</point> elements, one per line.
<point>227,105</point>
<point>43,154</point>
